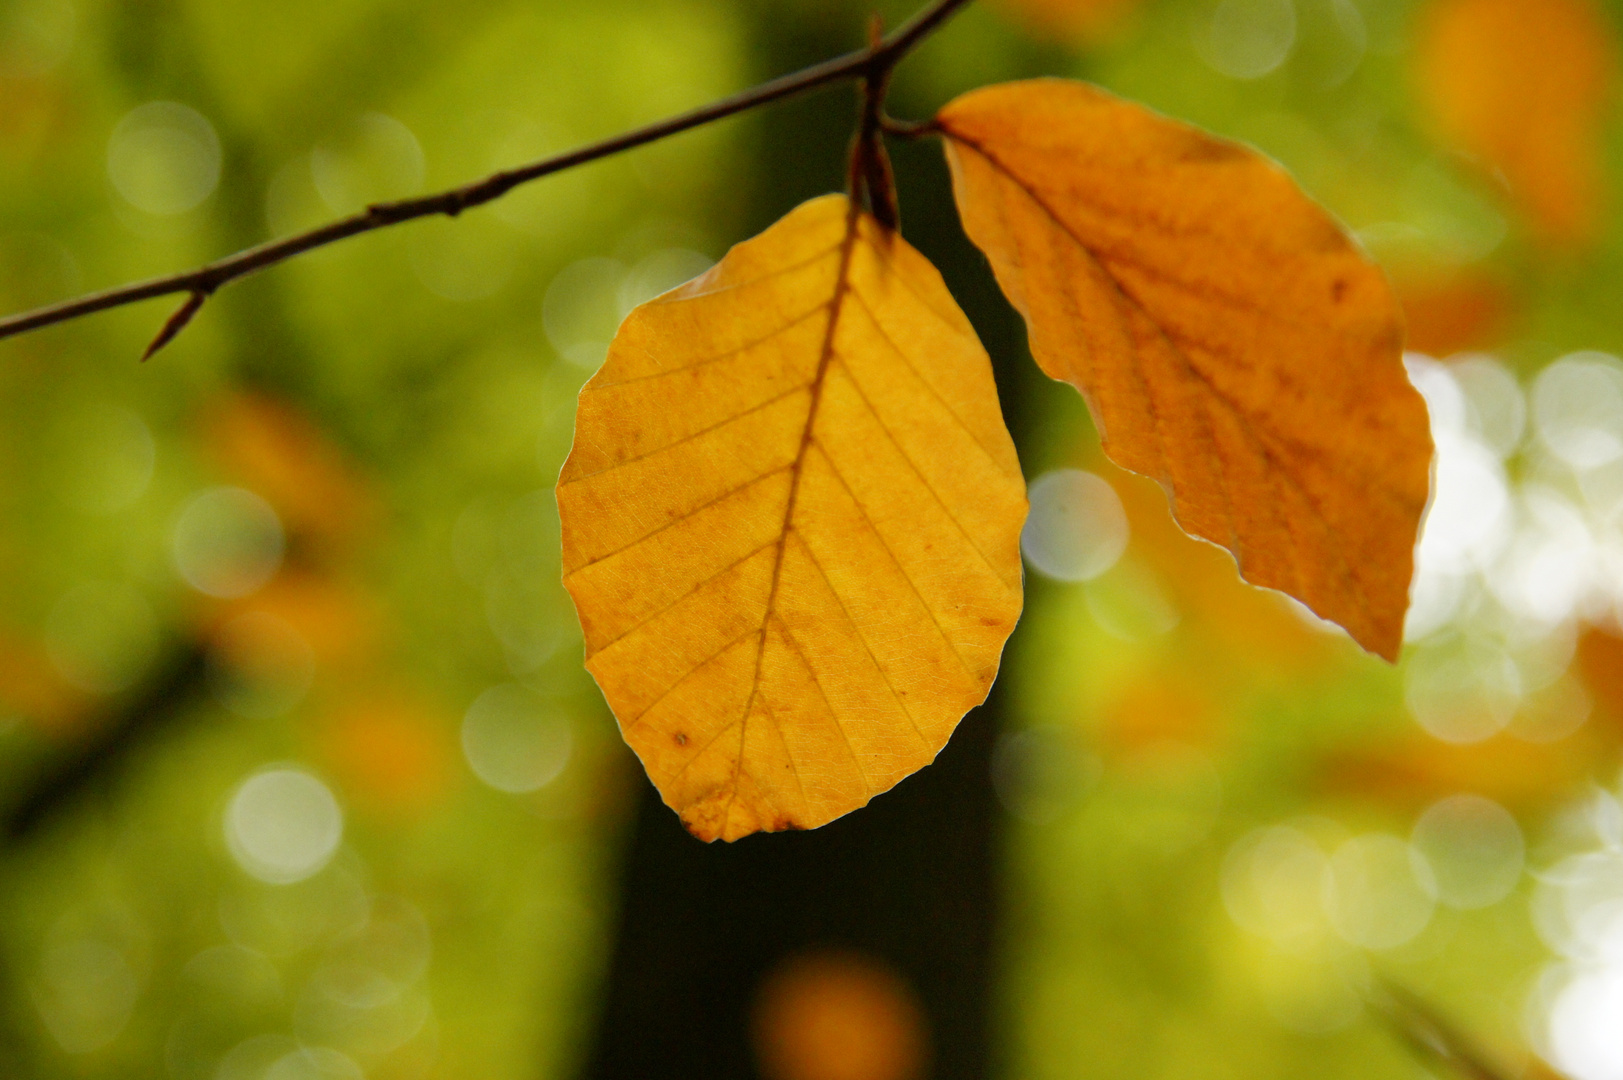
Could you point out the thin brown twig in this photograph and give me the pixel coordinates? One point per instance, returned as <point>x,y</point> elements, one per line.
<point>870,181</point>
<point>1430,1035</point>
<point>872,63</point>
<point>175,323</point>
<point>907,129</point>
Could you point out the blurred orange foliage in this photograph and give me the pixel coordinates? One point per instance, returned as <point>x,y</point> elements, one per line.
<point>1522,86</point>
<point>31,688</point>
<point>1455,312</point>
<point>36,112</point>
<point>390,752</point>
<point>1600,664</point>
<point>1524,776</point>
<point>839,1016</point>
<point>338,621</point>
<point>1072,22</point>
<point>1161,706</point>
<point>278,452</point>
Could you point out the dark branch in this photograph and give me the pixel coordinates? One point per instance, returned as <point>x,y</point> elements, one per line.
<point>176,323</point>
<point>873,63</point>
<point>95,762</point>
<point>907,129</point>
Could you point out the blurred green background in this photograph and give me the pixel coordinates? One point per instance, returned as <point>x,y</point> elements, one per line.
<point>365,808</point>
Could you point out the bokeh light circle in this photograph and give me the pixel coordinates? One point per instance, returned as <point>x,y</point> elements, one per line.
<point>1076,529</point>
<point>838,1015</point>
<point>283,825</point>
<point>1273,882</point>
<point>1474,848</point>
<point>582,310</point>
<point>1578,409</point>
<point>227,542</point>
<point>514,739</point>
<point>1378,893</point>
<point>163,158</point>
<point>376,159</point>
<point>1247,39</point>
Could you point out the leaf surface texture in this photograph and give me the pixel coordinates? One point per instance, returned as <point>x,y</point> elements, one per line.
<point>791,521</point>
<point>1230,339</point>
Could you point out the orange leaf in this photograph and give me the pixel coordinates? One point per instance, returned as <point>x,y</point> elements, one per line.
<point>791,522</point>
<point>1244,631</point>
<point>1230,339</point>
<point>1522,85</point>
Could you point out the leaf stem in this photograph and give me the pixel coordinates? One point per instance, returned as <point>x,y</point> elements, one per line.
<point>871,64</point>
<point>870,183</point>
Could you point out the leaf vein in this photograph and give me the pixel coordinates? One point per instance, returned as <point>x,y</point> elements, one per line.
<point>639,721</point>
<point>912,367</point>
<point>862,773</point>
<point>746,485</point>
<point>923,482</point>
<point>1348,570</point>
<point>862,510</point>
<point>684,440</point>
<point>718,358</point>
<point>857,630</point>
<point>735,564</point>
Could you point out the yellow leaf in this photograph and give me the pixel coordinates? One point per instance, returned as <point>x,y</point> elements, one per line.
<point>1231,341</point>
<point>1523,85</point>
<point>791,522</point>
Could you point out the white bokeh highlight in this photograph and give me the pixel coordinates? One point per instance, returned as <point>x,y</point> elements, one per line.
<point>283,825</point>
<point>163,158</point>
<point>227,542</point>
<point>1578,910</point>
<point>1378,892</point>
<point>514,739</point>
<point>1247,39</point>
<point>1076,529</point>
<point>1578,409</point>
<point>1474,848</point>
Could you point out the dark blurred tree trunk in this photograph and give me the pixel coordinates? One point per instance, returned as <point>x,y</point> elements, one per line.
<point>912,879</point>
